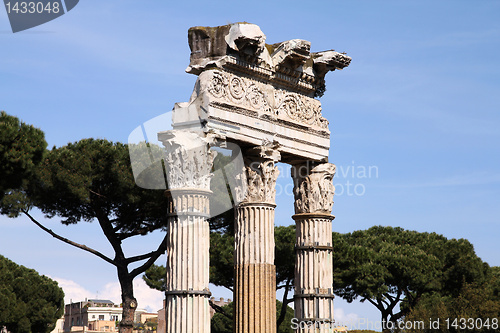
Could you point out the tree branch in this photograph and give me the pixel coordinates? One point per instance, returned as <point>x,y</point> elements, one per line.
<point>98,194</point>
<point>139,231</point>
<point>67,241</point>
<point>219,309</point>
<point>111,236</point>
<point>388,296</point>
<point>161,249</point>
<point>382,301</point>
<point>140,257</point>
<point>377,305</point>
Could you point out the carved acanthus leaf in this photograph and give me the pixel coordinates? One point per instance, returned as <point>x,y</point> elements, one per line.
<point>301,109</point>
<point>313,188</point>
<point>258,178</point>
<point>188,159</point>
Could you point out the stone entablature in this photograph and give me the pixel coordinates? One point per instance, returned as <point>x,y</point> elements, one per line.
<point>252,92</point>
<point>247,110</point>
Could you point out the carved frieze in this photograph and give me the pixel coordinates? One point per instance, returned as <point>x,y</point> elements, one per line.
<point>299,108</point>
<point>313,188</point>
<point>253,95</point>
<point>236,90</point>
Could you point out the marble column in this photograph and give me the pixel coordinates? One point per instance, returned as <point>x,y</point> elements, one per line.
<point>255,272</point>
<point>314,190</point>
<point>188,169</point>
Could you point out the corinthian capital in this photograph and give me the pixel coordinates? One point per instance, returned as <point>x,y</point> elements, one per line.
<point>258,177</point>
<point>188,159</point>
<point>313,187</point>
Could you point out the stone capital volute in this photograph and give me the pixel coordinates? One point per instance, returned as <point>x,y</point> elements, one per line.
<point>258,175</point>
<point>313,187</point>
<point>188,159</point>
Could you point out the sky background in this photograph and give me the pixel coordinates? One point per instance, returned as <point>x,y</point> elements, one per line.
<point>418,107</point>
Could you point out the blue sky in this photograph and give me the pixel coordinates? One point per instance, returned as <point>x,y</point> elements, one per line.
<point>419,104</point>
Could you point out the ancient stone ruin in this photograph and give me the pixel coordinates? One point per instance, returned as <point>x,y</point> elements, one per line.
<point>261,98</point>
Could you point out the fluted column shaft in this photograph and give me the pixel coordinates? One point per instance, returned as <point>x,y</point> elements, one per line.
<point>188,170</point>
<point>187,293</point>
<point>255,272</point>
<point>314,263</point>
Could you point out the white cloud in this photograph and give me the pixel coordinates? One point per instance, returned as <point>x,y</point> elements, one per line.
<point>343,319</point>
<point>73,292</point>
<point>149,299</point>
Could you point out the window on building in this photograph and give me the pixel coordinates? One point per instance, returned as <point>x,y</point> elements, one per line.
<point>101,317</point>
<point>114,318</point>
<point>93,316</point>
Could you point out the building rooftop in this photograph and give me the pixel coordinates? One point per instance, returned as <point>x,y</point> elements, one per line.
<point>101,301</point>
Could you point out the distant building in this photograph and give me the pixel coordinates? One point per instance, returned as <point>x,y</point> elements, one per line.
<point>161,320</point>
<point>145,316</point>
<point>97,315</point>
<point>81,313</point>
<point>102,326</point>
<point>59,328</point>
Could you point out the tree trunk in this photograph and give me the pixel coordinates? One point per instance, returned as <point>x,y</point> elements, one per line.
<point>129,303</point>
<point>385,322</point>
<point>284,305</point>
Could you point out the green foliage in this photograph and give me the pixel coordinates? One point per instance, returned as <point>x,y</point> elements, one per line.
<point>495,281</point>
<point>221,259</point>
<point>155,277</point>
<point>224,165</point>
<point>284,253</point>
<point>473,301</point>
<point>147,326</point>
<point>222,262</point>
<point>29,302</point>
<point>152,324</point>
<point>220,323</point>
<point>286,326</point>
<point>223,324</point>
<point>92,179</point>
<point>388,266</point>
<point>21,149</point>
